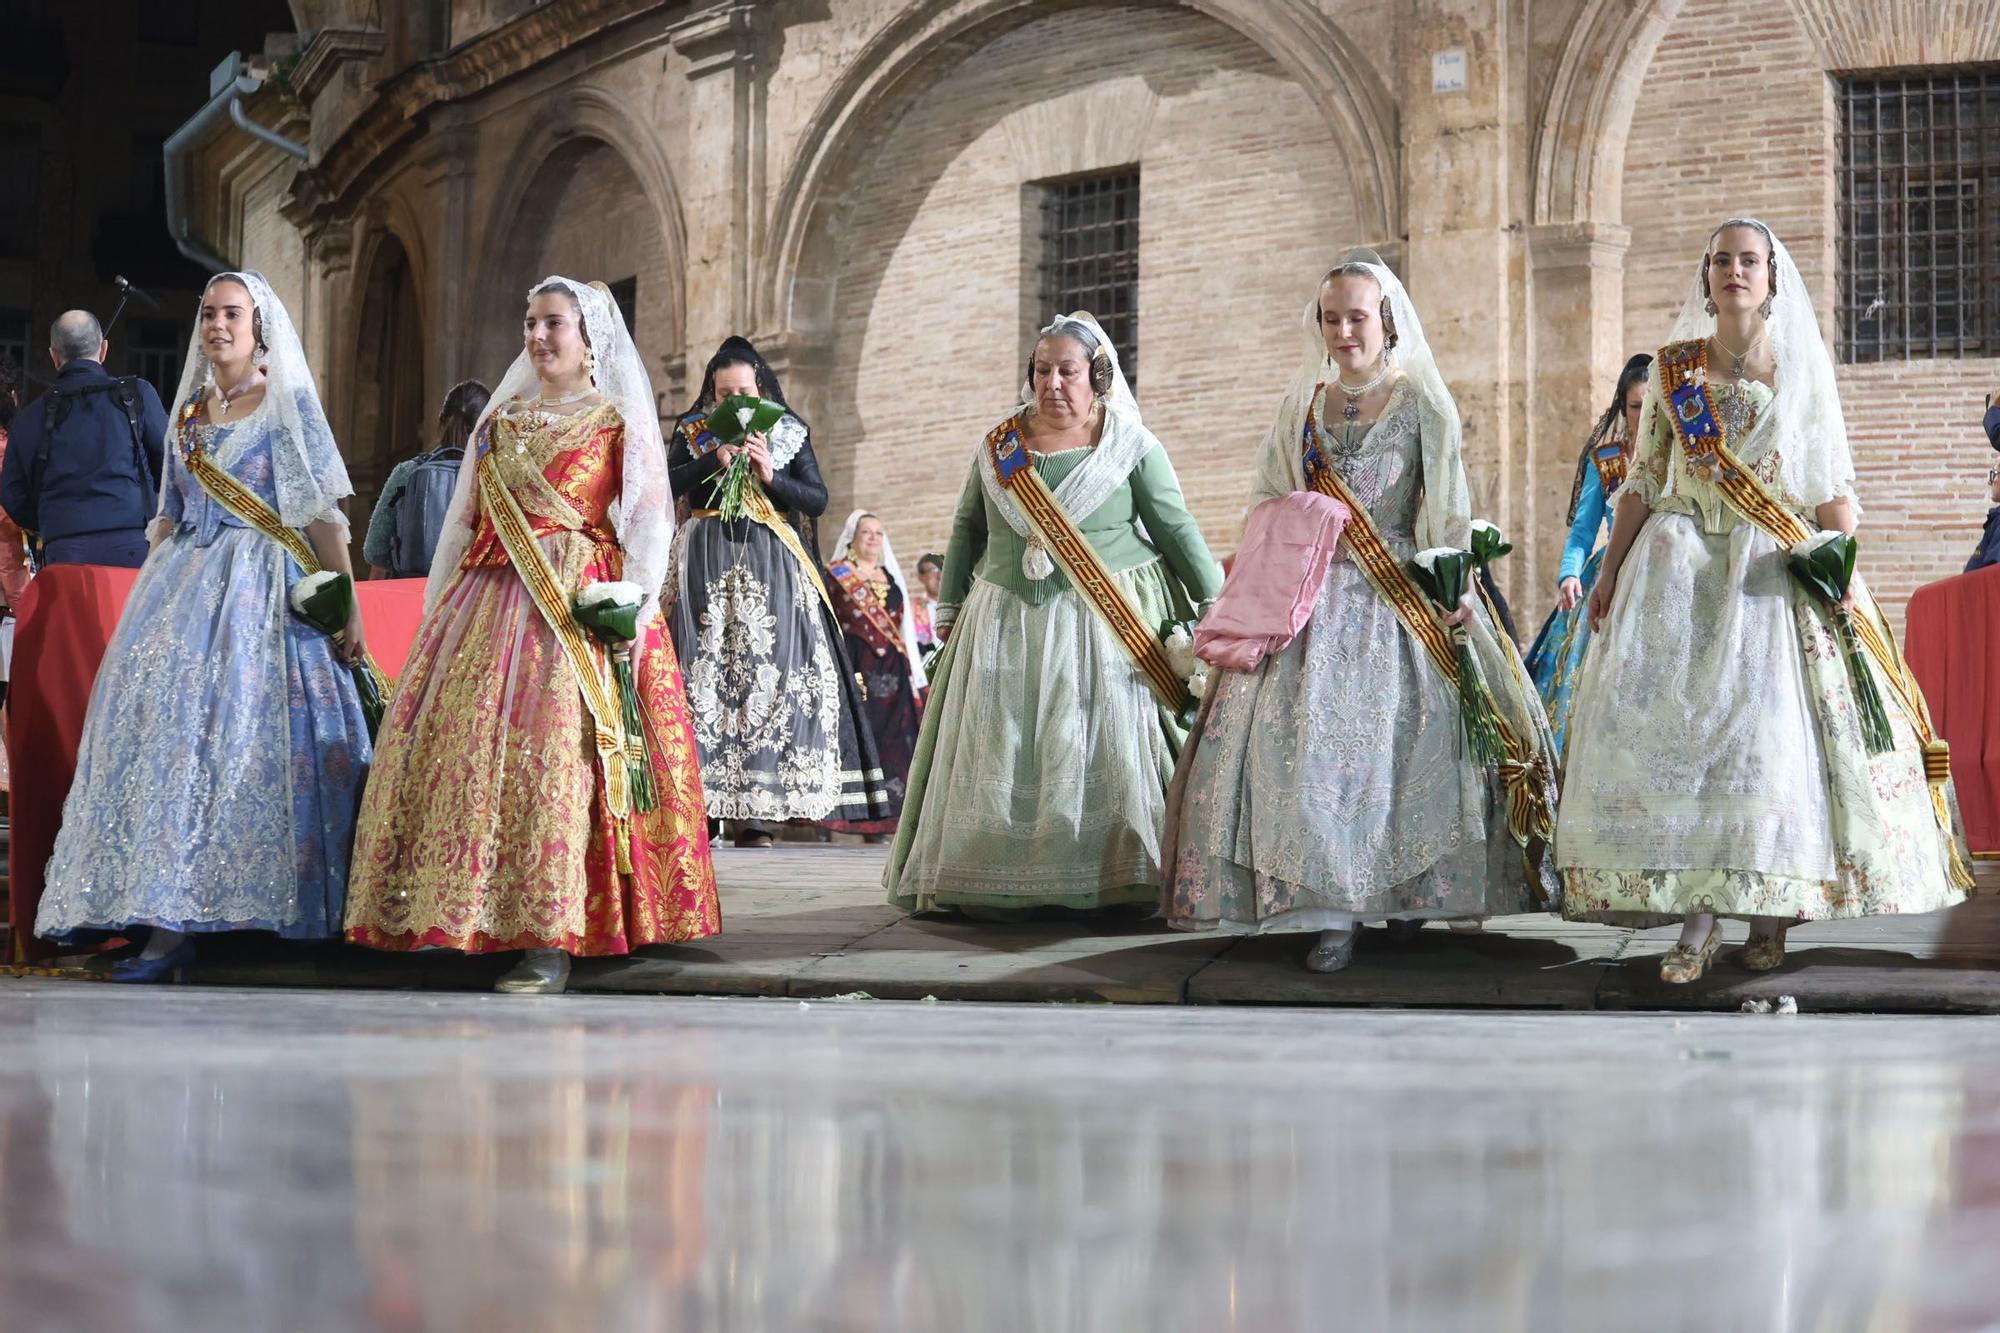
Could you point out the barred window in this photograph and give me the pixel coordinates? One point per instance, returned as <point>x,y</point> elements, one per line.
<point>1919,254</point>
<point>14,341</point>
<point>625,292</point>
<point>1090,255</point>
<point>154,355</point>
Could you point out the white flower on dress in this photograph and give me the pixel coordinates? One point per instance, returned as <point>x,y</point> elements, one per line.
<point>306,588</point>
<point>1817,540</point>
<point>1481,525</point>
<point>617,594</point>
<point>1428,558</point>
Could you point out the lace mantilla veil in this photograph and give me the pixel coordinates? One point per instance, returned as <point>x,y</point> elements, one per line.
<point>643,516</point>
<point>1804,421</point>
<point>909,621</point>
<point>1446,517</point>
<point>307,471</point>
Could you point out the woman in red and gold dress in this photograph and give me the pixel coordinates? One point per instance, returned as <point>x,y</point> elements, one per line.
<point>503,811</point>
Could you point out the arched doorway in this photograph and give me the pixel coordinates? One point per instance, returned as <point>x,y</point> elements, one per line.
<point>390,420</point>
<point>583,214</point>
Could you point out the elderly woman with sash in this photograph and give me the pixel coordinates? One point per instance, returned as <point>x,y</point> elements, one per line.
<point>524,797</point>
<point>876,612</point>
<point>223,756</point>
<point>1050,735</point>
<point>1557,655</point>
<point>778,708</point>
<point>1332,783</point>
<point>1721,761</point>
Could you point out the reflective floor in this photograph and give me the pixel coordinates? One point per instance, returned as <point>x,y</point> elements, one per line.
<point>284,1160</point>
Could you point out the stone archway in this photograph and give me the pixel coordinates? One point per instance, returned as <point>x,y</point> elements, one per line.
<point>901,237</point>
<point>587,194</point>
<point>388,421</point>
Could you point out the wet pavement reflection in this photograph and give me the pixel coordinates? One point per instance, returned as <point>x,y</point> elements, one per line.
<point>219,1159</point>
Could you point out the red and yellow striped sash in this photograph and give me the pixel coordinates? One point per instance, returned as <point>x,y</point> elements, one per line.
<point>1523,770</point>
<point>1079,560</point>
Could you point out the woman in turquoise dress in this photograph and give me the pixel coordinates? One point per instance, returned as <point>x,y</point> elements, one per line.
<point>1557,654</point>
<point>1041,770</point>
<point>222,760</point>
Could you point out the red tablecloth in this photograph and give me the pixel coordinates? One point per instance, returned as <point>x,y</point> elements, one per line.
<point>65,624</point>
<point>1953,646</point>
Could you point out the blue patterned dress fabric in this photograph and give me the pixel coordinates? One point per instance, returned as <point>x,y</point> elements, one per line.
<point>1556,658</point>
<point>223,756</point>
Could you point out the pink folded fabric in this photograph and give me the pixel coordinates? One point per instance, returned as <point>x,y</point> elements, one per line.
<point>1273,582</point>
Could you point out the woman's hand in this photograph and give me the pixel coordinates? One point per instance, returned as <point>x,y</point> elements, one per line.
<point>352,644</point>
<point>1600,597</point>
<point>1464,612</point>
<point>759,450</point>
<point>726,454</point>
<point>1570,593</point>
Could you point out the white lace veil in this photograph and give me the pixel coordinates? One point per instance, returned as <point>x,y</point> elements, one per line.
<point>308,475</point>
<point>1446,517</point>
<point>643,516</point>
<point>909,620</point>
<point>1805,423</point>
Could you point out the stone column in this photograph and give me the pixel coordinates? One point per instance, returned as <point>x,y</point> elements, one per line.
<point>1457,165</point>
<point>722,45</point>
<point>1576,347</point>
<point>451,331</point>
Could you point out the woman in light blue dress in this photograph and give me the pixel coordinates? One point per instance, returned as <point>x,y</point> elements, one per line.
<point>223,756</point>
<point>1556,658</point>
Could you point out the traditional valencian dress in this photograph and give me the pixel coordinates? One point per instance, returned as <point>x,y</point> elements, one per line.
<point>777,705</point>
<point>493,821</point>
<point>881,640</point>
<point>1716,761</point>
<point>1556,659</point>
<point>1333,785</point>
<point>223,756</point>
<point>1041,770</point>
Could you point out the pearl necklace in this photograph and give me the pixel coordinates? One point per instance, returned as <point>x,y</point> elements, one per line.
<point>567,398</point>
<point>1357,393</point>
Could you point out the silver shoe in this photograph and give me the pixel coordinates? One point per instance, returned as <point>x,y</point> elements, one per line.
<point>540,972</point>
<point>1334,951</point>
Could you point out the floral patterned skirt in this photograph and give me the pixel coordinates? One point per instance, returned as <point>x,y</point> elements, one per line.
<point>1716,761</point>
<point>1555,662</point>
<point>485,827</point>
<point>776,706</point>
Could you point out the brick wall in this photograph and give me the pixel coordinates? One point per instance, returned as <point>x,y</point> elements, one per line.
<point>1240,211</point>
<point>1752,82</point>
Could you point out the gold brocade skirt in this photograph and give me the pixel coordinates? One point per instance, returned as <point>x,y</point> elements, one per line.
<point>484,826</point>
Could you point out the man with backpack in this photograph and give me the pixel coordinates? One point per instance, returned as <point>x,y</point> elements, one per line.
<point>403,530</point>
<point>82,471</point>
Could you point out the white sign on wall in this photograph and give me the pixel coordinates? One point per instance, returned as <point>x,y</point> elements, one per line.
<point>1448,71</point>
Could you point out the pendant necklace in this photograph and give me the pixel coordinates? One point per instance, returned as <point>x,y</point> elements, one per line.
<point>1350,441</point>
<point>1734,407</point>
<point>1736,358</point>
<point>229,397</point>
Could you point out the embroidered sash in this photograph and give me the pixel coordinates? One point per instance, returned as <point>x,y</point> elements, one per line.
<point>587,664</point>
<point>1704,444</point>
<point>1611,463</point>
<point>247,505</point>
<point>861,595</point>
<point>758,506</point>
<point>1523,771</point>
<point>1080,561</point>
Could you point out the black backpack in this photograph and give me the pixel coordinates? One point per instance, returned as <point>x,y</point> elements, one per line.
<point>421,510</point>
<point>124,390</point>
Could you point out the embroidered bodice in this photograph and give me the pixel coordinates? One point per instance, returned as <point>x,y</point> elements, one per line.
<point>563,471</point>
<point>1385,467</point>
<point>240,448</point>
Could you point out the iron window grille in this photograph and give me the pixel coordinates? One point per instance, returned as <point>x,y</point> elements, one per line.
<point>1090,255</point>
<point>1919,250</point>
<point>154,355</point>
<point>625,292</point>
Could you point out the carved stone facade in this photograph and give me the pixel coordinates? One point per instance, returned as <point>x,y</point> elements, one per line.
<point>850,183</point>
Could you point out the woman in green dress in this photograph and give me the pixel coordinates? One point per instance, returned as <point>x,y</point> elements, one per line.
<point>1041,771</point>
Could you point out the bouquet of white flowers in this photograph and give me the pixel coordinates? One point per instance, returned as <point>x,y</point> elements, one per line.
<point>1824,562</point>
<point>611,612</point>
<point>326,602</point>
<point>1445,574</point>
<point>733,419</point>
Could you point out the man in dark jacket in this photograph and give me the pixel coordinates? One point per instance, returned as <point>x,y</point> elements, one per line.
<point>83,461</point>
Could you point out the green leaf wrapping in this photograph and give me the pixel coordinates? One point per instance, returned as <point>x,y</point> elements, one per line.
<point>726,422</point>
<point>1827,571</point>
<point>371,696</point>
<point>330,606</point>
<point>1445,582</point>
<point>616,623</point>
<point>613,622</point>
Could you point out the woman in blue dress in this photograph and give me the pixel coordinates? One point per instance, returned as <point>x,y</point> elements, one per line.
<point>1557,654</point>
<point>223,756</point>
